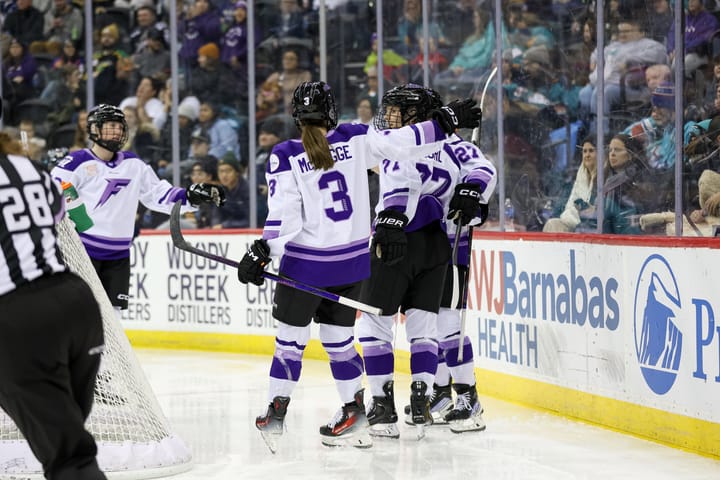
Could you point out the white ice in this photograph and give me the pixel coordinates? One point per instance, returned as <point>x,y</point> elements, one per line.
<point>211,399</point>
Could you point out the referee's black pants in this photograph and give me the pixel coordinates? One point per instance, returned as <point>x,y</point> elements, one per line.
<point>50,331</point>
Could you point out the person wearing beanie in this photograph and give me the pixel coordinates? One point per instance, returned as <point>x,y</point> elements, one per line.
<point>657,132</point>
<point>211,79</point>
<point>236,211</point>
<point>233,45</point>
<point>209,50</point>
<point>111,68</point>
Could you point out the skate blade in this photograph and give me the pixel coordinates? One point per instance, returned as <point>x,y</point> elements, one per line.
<point>420,431</point>
<point>271,440</point>
<point>472,424</point>
<point>357,440</point>
<point>384,430</point>
<point>438,419</point>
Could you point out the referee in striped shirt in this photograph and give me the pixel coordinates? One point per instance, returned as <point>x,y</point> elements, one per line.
<point>51,333</point>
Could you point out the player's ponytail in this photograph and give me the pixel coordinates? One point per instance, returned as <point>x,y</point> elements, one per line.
<point>316,146</point>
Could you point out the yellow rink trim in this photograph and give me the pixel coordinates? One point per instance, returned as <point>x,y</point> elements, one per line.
<point>679,431</point>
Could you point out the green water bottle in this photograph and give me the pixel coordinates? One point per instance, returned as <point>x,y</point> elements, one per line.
<point>76,208</point>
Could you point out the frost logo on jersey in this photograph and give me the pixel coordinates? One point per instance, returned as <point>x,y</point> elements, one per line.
<point>113,187</point>
<point>658,339</point>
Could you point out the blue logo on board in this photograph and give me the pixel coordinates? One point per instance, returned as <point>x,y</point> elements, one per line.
<point>658,339</point>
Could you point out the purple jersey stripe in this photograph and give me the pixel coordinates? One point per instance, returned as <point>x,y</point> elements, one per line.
<point>102,254</point>
<point>298,249</point>
<point>329,272</point>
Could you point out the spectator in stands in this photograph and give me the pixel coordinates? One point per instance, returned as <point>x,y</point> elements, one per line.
<point>291,24</point>
<point>536,84</point>
<point>66,95</point>
<point>146,25</point>
<point>112,68</point>
<point>289,77</point>
<point>410,28</point>
<point>626,190</point>
<point>69,55</point>
<point>233,45</point>
<point>203,172</point>
<point>63,22</point>
<point>25,23</point>
<point>211,80</point>
<point>709,182</point>
<point>223,137</point>
<point>236,211</point>
<point>700,25</point>
<point>200,26</point>
<point>475,56</point>
<point>579,213</point>
<point>632,48</point>
<point>19,69</point>
<point>391,62</point>
<point>370,88</point>
<point>142,135</point>
<point>149,107</point>
<point>271,132</point>
<point>81,138</point>
<point>153,60</point>
<point>656,133</point>
<point>365,109</point>
<point>659,21</point>
<point>711,88</point>
<point>269,99</point>
<point>188,111</point>
<point>525,30</point>
<point>457,21</point>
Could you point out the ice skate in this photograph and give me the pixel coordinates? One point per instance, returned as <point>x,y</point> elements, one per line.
<point>349,426</point>
<point>272,424</point>
<point>467,414</point>
<point>420,407</point>
<point>382,415</point>
<point>441,403</point>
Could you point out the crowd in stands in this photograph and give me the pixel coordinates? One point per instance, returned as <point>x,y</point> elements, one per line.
<point>549,86</point>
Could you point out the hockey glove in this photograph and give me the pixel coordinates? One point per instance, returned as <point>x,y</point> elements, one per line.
<point>465,203</point>
<point>252,265</point>
<point>198,193</point>
<point>458,114</point>
<point>390,242</point>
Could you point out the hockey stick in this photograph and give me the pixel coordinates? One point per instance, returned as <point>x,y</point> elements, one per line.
<point>182,244</point>
<point>466,284</point>
<point>456,292</point>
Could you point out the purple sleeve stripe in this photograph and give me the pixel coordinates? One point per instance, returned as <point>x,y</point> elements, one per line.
<point>400,203</point>
<point>418,139</point>
<point>270,234</point>
<point>289,344</point>
<point>162,199</point>
<point>175,194</point>
<point>273,223</point>
<point>397,190</point>
<point>327,251</point>
<point>430,132</point>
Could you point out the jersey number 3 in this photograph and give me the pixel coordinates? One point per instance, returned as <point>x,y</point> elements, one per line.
<point>342,207</point>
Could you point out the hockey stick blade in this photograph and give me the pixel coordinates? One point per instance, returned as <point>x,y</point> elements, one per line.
<point>180,242</point>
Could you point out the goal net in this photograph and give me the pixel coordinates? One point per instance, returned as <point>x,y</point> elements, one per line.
<point>134,438</point>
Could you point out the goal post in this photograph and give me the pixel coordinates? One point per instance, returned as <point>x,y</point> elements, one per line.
<point>134,438</point>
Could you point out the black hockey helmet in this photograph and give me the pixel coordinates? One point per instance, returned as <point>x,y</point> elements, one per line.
<point>101,114</point>
<point>414,101</point>
<point>314,102</point>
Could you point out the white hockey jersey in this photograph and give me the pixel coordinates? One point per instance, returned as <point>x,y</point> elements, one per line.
<point>421,188</point>
<point>111,192</point>
<point>319,221</point>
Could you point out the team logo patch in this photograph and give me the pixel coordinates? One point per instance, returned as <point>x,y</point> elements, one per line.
<point>658,337</point>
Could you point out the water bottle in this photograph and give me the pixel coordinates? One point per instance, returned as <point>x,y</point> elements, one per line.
<point>509,215</point>
<point>76,208</point>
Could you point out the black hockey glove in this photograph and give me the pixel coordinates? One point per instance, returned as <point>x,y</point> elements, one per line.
<point>465,203</point>
<point>390,242</point>
<point>198,193</point>
<point>252,265</point>
<point>458,114</point>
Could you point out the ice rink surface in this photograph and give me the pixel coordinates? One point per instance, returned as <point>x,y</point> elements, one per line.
<point>212,399</point>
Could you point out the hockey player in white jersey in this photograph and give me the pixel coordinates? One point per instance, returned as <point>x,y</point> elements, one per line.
<point>318,226</point>
<point>111,182</point>
<point>412,254</point>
